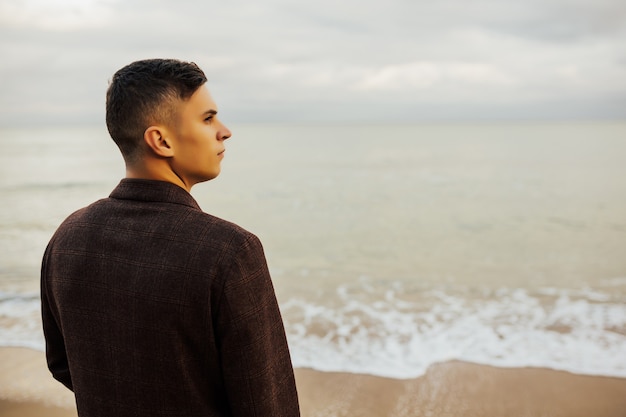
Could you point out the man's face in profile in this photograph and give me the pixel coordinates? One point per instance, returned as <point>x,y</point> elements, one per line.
<point>198,139</point>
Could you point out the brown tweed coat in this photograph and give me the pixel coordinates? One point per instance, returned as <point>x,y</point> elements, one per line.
<point>152,307</point>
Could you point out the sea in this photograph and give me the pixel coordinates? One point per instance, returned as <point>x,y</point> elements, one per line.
<point>392,247</point>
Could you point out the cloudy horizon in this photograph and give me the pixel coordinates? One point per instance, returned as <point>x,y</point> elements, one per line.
<point>279,61</point>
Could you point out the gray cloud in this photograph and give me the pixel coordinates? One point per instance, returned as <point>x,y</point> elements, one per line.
<point>280,61</point>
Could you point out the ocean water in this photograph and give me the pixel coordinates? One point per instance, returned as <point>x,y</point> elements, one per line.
<point>392,247</point>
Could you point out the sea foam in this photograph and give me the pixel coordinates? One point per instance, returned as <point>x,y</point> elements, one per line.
<point>580,331</point>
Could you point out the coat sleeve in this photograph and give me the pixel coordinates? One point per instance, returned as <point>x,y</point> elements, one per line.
<point>56,355</point>
<point>256,365</point>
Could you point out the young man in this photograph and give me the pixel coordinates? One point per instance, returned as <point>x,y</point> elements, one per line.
<point>150,306</point>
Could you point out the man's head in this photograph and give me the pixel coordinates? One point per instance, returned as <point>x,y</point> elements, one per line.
<point>146,93</point>
<point>163,118</point>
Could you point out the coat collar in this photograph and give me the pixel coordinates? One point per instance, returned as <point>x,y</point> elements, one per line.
<point>153,191</point>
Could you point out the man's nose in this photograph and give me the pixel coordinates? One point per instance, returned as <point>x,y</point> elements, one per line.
<point>224,133</point>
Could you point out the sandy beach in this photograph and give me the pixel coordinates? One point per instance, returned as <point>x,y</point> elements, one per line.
<point>447,389</point>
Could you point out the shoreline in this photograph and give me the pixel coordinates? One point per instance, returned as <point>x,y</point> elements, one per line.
<point>447,389</point>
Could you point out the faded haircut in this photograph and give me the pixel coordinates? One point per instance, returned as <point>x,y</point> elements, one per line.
<point>145,93</point>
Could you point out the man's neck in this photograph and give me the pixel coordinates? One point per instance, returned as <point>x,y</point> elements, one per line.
<point>157,170</point>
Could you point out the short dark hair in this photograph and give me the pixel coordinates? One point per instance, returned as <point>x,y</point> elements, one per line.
<point>144,93</point>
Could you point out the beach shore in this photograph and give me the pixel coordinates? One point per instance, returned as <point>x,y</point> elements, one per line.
<point>449,389</point>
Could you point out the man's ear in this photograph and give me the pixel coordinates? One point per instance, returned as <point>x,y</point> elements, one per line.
<point>156,138</point>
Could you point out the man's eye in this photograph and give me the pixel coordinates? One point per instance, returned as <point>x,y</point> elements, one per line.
<point>208,118</point>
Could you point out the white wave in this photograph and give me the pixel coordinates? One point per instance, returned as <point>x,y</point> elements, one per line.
<point>397,338</point>
<point>20,321</point>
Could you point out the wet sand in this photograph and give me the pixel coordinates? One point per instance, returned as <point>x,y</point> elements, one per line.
<point>449,389</point>
<point>455,389</point>
<point>28,390</point>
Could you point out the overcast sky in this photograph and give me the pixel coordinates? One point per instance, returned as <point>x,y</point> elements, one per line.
<point>326,60</point>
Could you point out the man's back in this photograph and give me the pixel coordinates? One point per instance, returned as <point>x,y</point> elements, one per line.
<point>163,310</point>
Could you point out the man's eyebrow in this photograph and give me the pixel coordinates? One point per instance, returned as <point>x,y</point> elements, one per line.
<point>210,112</point>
